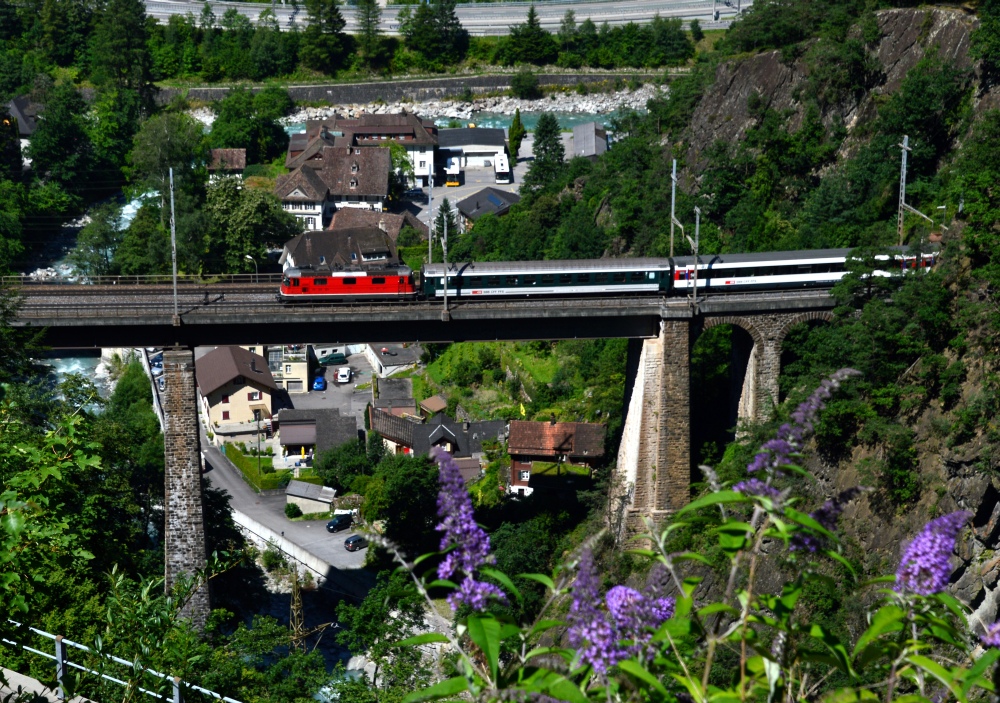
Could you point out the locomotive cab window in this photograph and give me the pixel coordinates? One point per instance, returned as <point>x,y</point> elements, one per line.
<point>319,281</point>
<point>378,281</point>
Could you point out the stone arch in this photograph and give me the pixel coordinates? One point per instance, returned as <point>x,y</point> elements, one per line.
<point>789,323</point>
<point>756,390</point>
<point>742,322</point>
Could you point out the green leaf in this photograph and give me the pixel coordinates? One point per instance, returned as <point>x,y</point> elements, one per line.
<point>973,675</point>
<point>735,527</point>
<point>541,578</point>
<point>717,498</point>
<point>632,667</point>
<point>717,608</point>
<point>935,670</point>
<point>443,689</point>
<point>732,543</point>
<point>692,556</point>
<point>543,625</point>
<point>485,632</point>
<point>839,557</point>
<point>838,650</point>
<point>504,580</point>
<point>808,521</point>
<point>421,639</point>
<point>887,619</point>
<point>849,695</point>
<point>557,685</point>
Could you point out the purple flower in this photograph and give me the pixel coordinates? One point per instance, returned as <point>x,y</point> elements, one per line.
<point>468,542</point>
<point>589,631</point>
<point>826,515</point>
<point>790,439</point>
<point>924,568</point>
<point>756,487</point>
<point>992,636</point>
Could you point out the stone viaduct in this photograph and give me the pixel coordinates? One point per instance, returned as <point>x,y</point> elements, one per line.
<point>655,465</point>
<point>655,461</point>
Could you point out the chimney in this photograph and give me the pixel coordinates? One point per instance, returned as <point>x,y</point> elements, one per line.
<point>381,225</point>
<point>552,419</point>
<point>465,426</point>
<point>253,365</point>
<point>325,133</point>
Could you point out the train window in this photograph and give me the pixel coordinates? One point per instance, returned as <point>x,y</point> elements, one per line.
<point>637,276</point>
<point>510,280</point>
<point>548,279</point>
<point>319,281</point>
<point>529,280</point>
<point>378,281</point>
<point>295,282</point>
<point>493,280</point>
<point>475,280</point>
<point>349,281</point>
<point>565,278</point>
<point>600,278</point>
<point>618,277</point>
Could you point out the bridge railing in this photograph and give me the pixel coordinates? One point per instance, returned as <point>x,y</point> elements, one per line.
<point>63,664</point>
<point>164,279</point>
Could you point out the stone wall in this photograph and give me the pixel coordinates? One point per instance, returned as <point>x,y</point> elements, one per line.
<point>185,526</point>
<point>415,90</point>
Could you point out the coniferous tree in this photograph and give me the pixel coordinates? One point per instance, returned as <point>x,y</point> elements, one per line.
<point>529,42</point>
<point>696,31</point>
<point>369,35</point>
<point>322,44</point>
<point>445,213</point>
<point>567,30</point>
<point>516,135</point>
<point>120,58</point>
<point>454,38</point>
<point>549,153</point>
<point>60,149</point>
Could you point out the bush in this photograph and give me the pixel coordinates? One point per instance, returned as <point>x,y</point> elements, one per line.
<point>524,85</point>
<point>292,510</point>
<point>272,558</point>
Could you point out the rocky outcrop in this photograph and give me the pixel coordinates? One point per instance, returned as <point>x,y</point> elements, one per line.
<point>908,35</point>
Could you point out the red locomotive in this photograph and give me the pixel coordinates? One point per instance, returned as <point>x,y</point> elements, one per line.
<point>323,284</point>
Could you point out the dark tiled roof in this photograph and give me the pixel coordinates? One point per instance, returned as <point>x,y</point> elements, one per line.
<point>395,388</point>
<point>398,354</point>
<point>332,429</point>
<point>311,153</point>
<point>306,181</point>
<point>589,139</point>
<point>334,249</point>
<point>578,439</point>
<point>389,223</point>
<point>358,172</point>
<point>403,125</point>
<point>487,201</point>
<point>227,160</point>
<point>393,428</point>
<point>26,113</point>
<point>492,136</point>
<point>469,468</point>
<point>223,364</point>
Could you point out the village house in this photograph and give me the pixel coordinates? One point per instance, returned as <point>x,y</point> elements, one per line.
<point>235,390</point>
<point>478,147</point>
<point>226,162</point>
<point>416,136</point>
<point>357,248</point>
<point>488,201</point>
<point>309,432</point>
<point>534,446</point>
<point>387,359</point>
<point>336,178</point>
<point>590,140</point>
<point>388,222</point>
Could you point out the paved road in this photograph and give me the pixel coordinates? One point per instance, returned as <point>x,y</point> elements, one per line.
<point>311,535</point>
<point>488,18</point>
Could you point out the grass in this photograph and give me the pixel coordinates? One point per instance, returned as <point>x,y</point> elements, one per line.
<point>542,369</point>
<point>311,516</point>
<point>551,468</point>
<point>262,479</point>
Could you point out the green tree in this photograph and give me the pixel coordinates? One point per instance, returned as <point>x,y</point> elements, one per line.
<point>986,39</point>
<point>323,42</point>
<point>243,221</point>
<point>96,243</point>
<point>369,15</point>
<point>167,140</point>
<point>567,30</point>
<point>145,246</point>
<point>524,85</point>
<point>445,214</point>
<point>435,33</point>
<point>549,153</point>
<point>10,147</point>
<point>243,122</point>
<point>697,34</point>
<point>453,37</point>
<point>119,52</point>
<point>516,135</point>
<point>530,43</point>
<point>60,149</point>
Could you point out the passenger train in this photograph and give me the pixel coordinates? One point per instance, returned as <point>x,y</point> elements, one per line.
<point>720,273</point>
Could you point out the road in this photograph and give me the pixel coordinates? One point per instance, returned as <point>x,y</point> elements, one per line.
<point>487,18</point>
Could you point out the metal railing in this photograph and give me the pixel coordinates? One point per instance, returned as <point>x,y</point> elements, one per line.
<point>63,664</point>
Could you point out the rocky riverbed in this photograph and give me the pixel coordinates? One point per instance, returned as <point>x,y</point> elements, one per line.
<point>570,103</point>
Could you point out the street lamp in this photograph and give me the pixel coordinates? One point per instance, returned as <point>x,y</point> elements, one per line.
<point>256,273</point>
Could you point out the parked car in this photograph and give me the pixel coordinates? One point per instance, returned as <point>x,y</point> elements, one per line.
<point>333,359</point>
<point>344,374</point>
<point>354,543</point>
<point>157,371</point>
<point>157,359</point>
<point>162,384</point>
<point>319,383</point>
<point>339,522</point>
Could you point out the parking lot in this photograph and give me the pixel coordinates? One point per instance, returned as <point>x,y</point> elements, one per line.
<point>345,397</point>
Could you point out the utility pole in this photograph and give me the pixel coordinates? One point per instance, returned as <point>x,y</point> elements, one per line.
<point>673,203</point>
<point>445,315</point>
<point>173,247</point>
<point>905,146</point>
<point>694,245</point>
<point>430,220</point>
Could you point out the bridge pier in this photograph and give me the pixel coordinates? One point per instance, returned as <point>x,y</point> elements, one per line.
<point>184,543</point>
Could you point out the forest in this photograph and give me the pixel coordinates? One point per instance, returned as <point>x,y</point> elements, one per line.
<point>82,479</point>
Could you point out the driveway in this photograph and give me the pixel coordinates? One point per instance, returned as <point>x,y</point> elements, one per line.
<point>344,396</point>
<point>269,511</point>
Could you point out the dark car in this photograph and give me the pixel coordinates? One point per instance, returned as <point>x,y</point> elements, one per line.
<point>339,522</point>
<point>333,359</point>
<point>354,543</point>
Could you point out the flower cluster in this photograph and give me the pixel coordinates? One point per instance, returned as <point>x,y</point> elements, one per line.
<point>826,515</point>
<point>776,453</point>
<point>756,487</point>
<point>992,636</point>
<point>601,642</point>
<point>924,568</point>
<point>466,543</point>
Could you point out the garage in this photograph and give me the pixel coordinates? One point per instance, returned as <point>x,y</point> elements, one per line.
<point>295,386</point>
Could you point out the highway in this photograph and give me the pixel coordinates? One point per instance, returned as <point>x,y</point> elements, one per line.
<point>486,18</point>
